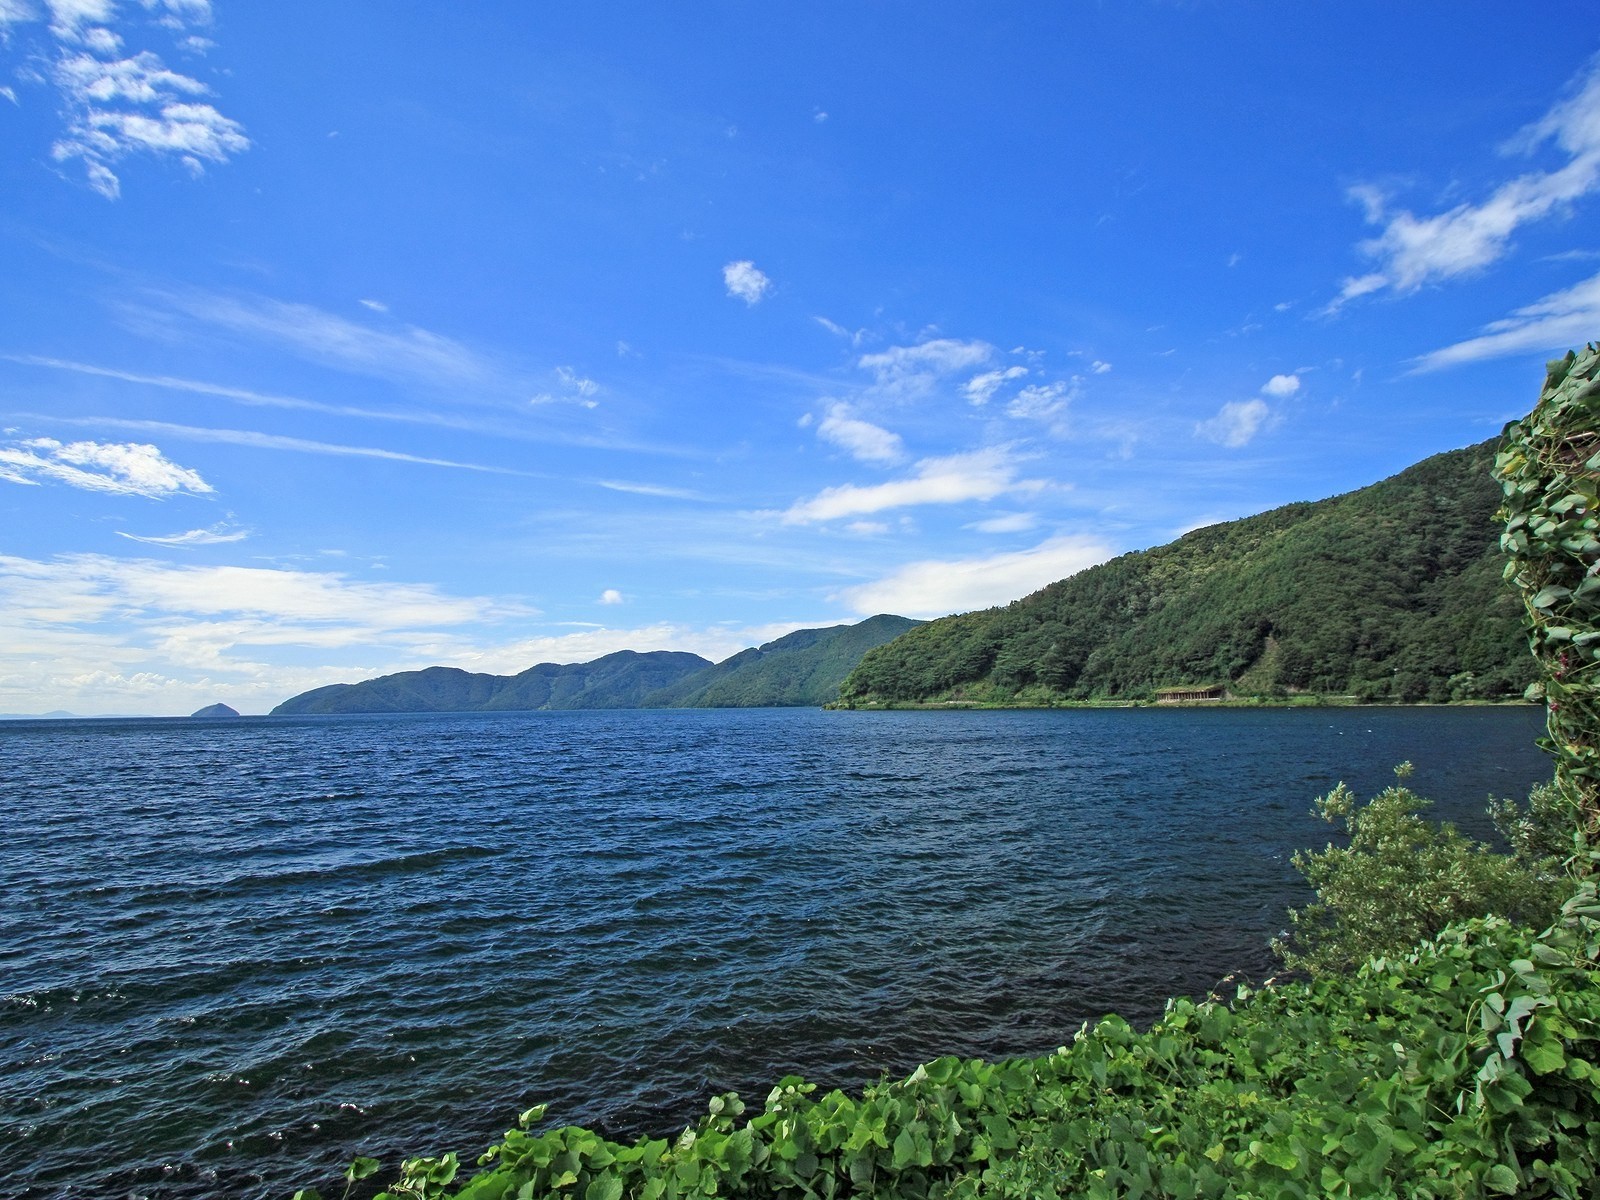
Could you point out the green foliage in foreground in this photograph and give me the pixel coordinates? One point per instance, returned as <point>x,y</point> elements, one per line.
<point>1401,878</point>
<point>1550,471</point>
<point>1469,1066</point>
<point>1392,592</point>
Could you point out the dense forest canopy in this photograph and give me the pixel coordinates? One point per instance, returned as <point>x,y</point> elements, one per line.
<point>1393,591</point>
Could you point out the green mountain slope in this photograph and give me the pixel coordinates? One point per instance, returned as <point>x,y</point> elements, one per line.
<point>1392,591</point>
<point>804,668</point>
<point>620,680</point>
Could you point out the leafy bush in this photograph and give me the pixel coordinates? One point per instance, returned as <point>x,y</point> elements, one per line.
<point>1549,470</point>
<point>1402,878</point>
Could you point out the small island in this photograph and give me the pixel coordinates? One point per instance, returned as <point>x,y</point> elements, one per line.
<point>215,712</point>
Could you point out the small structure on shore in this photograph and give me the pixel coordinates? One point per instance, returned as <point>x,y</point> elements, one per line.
<point>1189,694</point>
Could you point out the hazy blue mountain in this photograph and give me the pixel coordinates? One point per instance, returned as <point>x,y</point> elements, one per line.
<point>620,680</point>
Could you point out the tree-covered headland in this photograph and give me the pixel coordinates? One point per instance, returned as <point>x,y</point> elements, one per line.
<point>1438,1034</point>
<point>1391,592</point>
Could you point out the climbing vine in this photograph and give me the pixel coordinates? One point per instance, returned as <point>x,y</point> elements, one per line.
<point>1549,469</point>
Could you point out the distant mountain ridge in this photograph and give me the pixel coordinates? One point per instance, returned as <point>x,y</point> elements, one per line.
<point>1393,591</point>
<point>801,668</point>
<point>619,680</point>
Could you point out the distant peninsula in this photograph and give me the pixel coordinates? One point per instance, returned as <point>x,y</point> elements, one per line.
<point>804,668</point>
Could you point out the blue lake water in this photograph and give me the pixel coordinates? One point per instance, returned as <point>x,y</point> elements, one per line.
<point>233,955</point>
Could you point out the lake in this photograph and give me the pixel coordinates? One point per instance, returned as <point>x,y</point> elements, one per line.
<point>235,954</point>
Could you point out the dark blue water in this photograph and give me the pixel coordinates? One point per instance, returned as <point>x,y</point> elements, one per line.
<point>235,954</point>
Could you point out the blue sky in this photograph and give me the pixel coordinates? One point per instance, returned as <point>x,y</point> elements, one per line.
<point>344,339</point>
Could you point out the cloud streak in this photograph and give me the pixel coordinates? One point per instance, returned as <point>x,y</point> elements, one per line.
<point>1558,322</point>
<point>272,441</point>
<point>1412,251</point>
<point>938,587</point>
<point>215,536</point>
<point>979,475</point>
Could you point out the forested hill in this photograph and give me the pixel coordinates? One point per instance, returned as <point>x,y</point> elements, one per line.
<point>805,667</point>
<point>1393,591</point>
<point>620,680</point>
<point>801,668</point>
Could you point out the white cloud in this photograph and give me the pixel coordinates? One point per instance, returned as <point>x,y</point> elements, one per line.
<point>14,12</point>
<point>1045,403</point>
<point>214,536</point>
<point>67,16</point>
<point>1236,423</point>
<point>120,468</point>
<point>117,106</point>
<point>375,305</point>
<point>578,385</point>
<point>1098,367</point>
<point>610,596</point>
<point>907,372</point>
<point>90,587</point>
<point>1006,523</point>
<point>1281,386</point>
<point>1558,322</point>
<point>1413,251</point>
<point>745,282</point>
<point>862,439</point>
<point>935,588</point>
<point>867,528</point>
<point>980,389</point>
<point>86,632</point>
<point>96,634</point>
<point>979,475</point>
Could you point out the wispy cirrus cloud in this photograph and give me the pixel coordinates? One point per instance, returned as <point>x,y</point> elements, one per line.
<point>938,587</point>
<point>1412,251</point>
<point>398,353</point>
<point>980,389</point>
<point>118,468</point>
<point>1558,322</point>
<point>978,475</point>
<point>418,416</point>
<point>661,490</point>
<point>117,104</point>
<point>272,441</point>
<point>216,535</point>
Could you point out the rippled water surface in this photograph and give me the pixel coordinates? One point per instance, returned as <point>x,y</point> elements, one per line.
<point>235,954</point>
